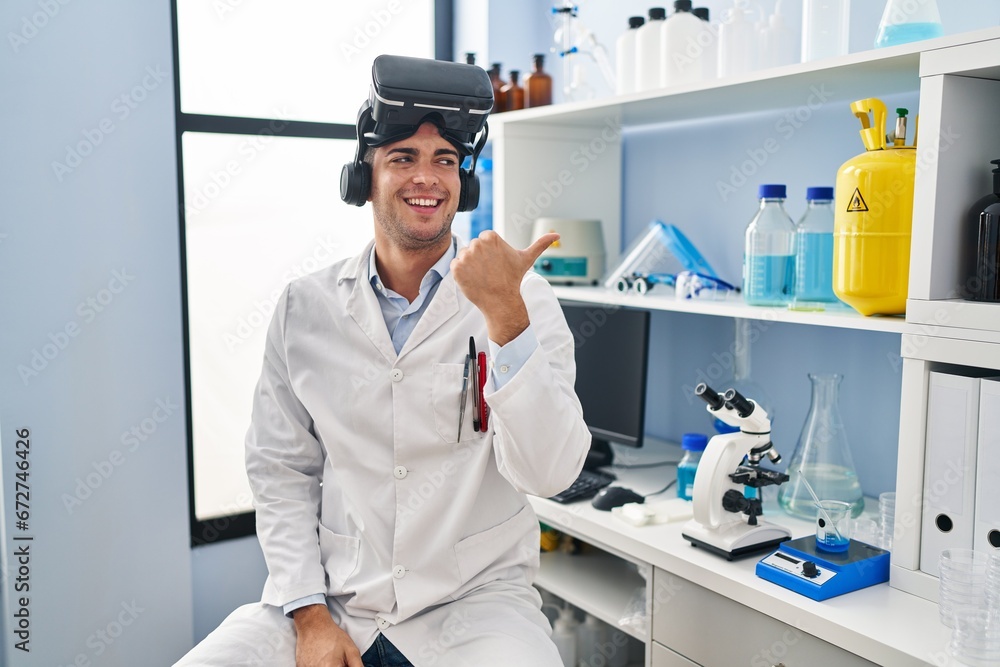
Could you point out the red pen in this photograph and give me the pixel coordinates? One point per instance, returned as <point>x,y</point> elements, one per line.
<point>484,410</point>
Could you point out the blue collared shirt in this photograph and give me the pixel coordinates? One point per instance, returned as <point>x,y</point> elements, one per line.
<point>401,318</point>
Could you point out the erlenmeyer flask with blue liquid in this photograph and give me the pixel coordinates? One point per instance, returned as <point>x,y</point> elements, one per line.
<point>905,21</point>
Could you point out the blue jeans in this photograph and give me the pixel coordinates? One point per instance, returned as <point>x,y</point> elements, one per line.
<point>383,654</point>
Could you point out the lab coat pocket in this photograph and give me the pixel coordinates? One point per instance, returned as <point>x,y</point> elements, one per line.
<point>446,396</point>
<point>510,543</point>
<point>340,558</point>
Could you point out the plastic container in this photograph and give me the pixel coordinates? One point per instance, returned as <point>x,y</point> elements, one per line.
<point>625,57</point>
<point>737,42</point>
<point>984,244</point>
<point>825,26</point>
<point>481,218</point>
<point>905,21</point>
<point>708,44</point>
<point>538,84</point>
<point>769,259</point>
<point>823,455</point>
<point>647,50</point>
<point>590,635</point>
<point>693,444</point>
<point>564,636</point>
<point>778,42</point>
<point>680,61</point>
<point>814,249</point>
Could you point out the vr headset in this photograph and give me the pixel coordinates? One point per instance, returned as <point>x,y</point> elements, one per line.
<point>407,92</point>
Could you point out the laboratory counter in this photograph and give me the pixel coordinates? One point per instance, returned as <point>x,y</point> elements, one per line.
<point>880,624</point>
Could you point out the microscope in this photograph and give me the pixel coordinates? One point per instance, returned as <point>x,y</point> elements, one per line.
<point>725,520</point>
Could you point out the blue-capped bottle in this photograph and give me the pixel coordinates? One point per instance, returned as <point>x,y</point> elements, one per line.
<point>814,249</point>
<point>693,445</point>
<point>769,257</point>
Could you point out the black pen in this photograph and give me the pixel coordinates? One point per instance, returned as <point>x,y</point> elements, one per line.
<point>475,383</point>
<point>465,398</point>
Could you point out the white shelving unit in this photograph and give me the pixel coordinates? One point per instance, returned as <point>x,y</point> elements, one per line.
<point>566,161</point>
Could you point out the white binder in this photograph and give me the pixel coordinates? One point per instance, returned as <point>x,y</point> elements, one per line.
<point>949,467</point>
<point>987,523</point>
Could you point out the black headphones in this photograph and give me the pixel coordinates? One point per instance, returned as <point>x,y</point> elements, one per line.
<point>356,177</point>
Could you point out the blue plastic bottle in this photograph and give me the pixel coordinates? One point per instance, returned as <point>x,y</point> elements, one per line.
<point>482,216</point>
<point>769,259</point>
<point>814,249</point>
<point>693,444</point>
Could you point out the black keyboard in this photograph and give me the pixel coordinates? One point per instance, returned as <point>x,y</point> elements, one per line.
<point>586,486</point>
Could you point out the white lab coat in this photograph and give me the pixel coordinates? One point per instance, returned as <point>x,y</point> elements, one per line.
<point>363,491</point>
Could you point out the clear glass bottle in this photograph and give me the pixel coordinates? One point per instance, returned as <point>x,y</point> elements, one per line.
<point>693,445</point>
<point>822,455</point>
<point>905,21</point>
<point>814,249</point>
<point>538,84</point>
<point>769,258</point>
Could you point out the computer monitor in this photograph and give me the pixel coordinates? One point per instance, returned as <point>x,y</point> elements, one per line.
<point>612,351</point>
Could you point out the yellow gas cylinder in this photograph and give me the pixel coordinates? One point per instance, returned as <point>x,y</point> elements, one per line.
<point>873,216</point>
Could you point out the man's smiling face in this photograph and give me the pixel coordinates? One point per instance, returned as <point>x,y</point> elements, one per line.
<point>415,188</point>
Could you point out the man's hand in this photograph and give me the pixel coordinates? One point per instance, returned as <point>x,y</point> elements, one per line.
<point>489,273</point>
<point>320,642</point>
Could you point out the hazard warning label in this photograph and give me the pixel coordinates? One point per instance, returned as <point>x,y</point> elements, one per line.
<point>857,203</point>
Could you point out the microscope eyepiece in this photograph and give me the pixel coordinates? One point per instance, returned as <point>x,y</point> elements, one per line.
<point>738,402</point>
<point>709,395</point>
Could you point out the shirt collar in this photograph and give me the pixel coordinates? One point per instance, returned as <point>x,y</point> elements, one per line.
<point>433,275</point>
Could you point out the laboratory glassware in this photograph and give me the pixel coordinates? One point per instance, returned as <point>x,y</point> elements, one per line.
<point>825,28</point>
<point>513,92</point>
<point>822,455</point>
<point>814,249</point>
<point>537,84</point>
<point>769,259</point>
<point>905,21</point>
<point>984,244</point>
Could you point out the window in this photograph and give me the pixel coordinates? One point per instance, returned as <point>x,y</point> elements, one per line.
<point>268,94</point>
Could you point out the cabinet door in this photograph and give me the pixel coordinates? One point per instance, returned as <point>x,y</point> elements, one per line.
<point>664,657</point>
<point>712,630</point>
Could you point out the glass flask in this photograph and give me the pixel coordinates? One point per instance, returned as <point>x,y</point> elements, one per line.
<point>905,21</point>
<point>822,455</point>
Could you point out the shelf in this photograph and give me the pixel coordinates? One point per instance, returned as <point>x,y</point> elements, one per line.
<point>597,582</point>
<point>735,307</point>
<point>876,72</point>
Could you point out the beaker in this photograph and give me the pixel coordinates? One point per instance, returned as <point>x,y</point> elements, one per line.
<point>822,455</point>
<point>905,21</point>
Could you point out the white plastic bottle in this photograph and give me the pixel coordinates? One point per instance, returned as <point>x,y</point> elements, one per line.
<point>737,42</point>
<point>708,41</point>
<point>824,28</point>
<point>564,636</point>
<point>590,635</point>
<point>680,59</point>
<point>647,50</point>
<point>625,56</point>
<point>778,42</point>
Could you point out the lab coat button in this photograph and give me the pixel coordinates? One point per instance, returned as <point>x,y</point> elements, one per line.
<point>382,623</point>
<point>396,375</point>
<point>399,472</point>
<point>399,571</point>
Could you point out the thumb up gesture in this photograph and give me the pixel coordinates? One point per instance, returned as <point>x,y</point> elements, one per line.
<point>489,273</point>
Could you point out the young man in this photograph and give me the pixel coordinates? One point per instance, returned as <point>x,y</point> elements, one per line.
<point>394,533</point>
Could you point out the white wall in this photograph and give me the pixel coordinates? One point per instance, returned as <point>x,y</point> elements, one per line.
<point>90,340</point>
